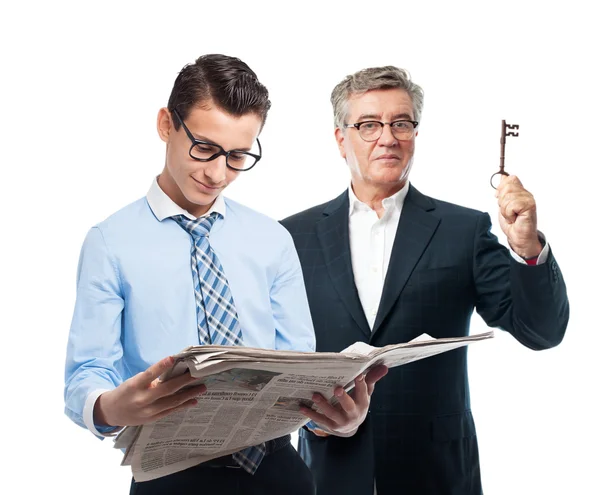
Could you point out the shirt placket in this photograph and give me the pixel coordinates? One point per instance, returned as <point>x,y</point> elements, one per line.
<point>375,277</point>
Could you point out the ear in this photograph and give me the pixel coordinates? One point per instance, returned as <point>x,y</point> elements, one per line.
<point>164,124</point>
<point>340,137</point>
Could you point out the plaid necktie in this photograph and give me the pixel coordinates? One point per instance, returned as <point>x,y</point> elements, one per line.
<point>216,314</point>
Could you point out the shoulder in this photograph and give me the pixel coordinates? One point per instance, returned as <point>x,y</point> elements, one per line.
<point>306,219</point>
<point>453,209</point>
<point>126,215</point>
<point>443,209</point>
<point>249,221</point>
<point>456,221</point>
<point>306,216</point>
<point>126,222</point>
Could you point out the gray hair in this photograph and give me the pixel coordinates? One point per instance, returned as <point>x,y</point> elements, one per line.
<point>388,77</point>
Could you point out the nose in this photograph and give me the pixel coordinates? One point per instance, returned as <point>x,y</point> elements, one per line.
<point>216,170</point>
<point>387,138</point>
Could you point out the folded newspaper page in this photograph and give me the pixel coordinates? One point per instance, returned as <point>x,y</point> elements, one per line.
<point>254,395</point>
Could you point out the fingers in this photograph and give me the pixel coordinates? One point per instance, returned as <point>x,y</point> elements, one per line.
<point>334,415</point>
<point>349,403</point>
<point>348,410</point>
<point>319,418</point>
<point>187,404</point>
<point>514,204</point>
<point>361,394</point>
<point>145,378</point>
<point>513,199</point>
<point>508,209</point>
<point>373,376</point>
<point>174,384</point>
<point>509,185</point>
<point>509,182</point>
<point>173,401</point>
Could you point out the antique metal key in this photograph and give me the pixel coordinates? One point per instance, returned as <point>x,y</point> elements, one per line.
<point>507,130</point>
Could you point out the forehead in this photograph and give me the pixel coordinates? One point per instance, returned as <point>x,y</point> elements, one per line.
<point>381,103</point>
<point>210,123</point>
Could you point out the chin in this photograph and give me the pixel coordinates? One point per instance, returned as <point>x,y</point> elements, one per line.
<point>389,178</point>
<point>196,198</point>
<point>204,199</point>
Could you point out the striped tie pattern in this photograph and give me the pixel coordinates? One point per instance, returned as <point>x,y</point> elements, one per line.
<point>216,314</point>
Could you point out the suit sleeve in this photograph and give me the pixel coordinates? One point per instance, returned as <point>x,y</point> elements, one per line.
<point>530,302</point>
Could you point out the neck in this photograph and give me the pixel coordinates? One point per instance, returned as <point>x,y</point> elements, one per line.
<point>373,195</point>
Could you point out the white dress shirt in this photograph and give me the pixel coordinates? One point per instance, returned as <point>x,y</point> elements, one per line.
<point>371,241</point>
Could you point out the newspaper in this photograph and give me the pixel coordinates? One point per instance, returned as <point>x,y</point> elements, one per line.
<point>254,395</point>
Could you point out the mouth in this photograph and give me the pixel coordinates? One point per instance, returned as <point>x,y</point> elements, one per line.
<point>388,156</point>
<point>211,188</point>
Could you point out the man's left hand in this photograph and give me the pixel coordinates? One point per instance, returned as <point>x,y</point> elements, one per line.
<point>518,217</point>
<point>344,418</point>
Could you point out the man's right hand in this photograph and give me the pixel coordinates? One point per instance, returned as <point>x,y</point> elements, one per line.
<point>144,398</point>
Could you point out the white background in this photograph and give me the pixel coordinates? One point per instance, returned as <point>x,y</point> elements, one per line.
<point>81,85</point>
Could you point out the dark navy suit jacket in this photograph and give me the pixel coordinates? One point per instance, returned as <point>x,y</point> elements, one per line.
<point>419,436</point>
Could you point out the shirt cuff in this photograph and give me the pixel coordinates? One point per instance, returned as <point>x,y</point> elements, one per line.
<point>314,427</point>
<point>542,257</point>
<point>320,431</point>
<point>88,416</point>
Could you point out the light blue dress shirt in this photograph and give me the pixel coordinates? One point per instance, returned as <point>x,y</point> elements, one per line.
<point>135,299</point>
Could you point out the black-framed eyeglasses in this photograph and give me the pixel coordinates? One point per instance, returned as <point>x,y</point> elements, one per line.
<point>371,130</point>
<point>205,151</point>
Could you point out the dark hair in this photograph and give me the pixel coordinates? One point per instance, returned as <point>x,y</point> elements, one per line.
<point>225,81</point>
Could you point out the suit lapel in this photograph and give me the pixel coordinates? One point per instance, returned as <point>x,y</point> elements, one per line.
<point>333,234</point>
<point>415,229</point>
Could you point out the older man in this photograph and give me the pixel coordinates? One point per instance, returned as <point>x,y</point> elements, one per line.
<point>383,263</point>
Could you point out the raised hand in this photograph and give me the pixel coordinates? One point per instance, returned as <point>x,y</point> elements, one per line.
<point>518,217</point>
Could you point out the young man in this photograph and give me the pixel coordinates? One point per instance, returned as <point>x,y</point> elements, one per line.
<point>384,263</point>
<point>184,266</point>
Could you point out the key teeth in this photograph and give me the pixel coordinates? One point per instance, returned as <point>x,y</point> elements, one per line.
<point>512,126</point>
<point>513,133</point>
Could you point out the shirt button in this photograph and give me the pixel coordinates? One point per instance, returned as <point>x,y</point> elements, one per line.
<point>374,269</point>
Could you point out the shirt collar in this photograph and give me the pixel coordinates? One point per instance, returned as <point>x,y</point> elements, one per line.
<point>394,201</point>
<point>164,207</point>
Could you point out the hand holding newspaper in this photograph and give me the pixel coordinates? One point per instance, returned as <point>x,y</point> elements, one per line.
<point>254,395</point>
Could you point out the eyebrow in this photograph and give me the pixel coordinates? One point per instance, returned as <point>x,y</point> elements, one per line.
<point>374,116</point>
<point>199,137</point>
<point>210,141</point>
